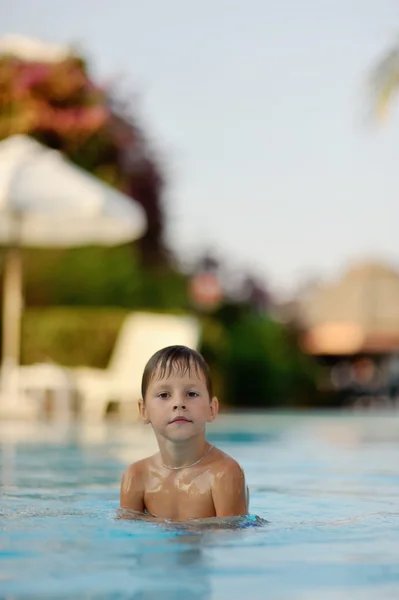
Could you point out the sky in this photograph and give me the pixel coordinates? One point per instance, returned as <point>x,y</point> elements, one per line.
<point>258,110</point>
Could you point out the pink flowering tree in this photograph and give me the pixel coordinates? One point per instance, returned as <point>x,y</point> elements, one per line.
<point>61,106</point>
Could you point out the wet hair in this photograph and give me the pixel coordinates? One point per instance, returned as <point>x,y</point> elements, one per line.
<point>174,359</point>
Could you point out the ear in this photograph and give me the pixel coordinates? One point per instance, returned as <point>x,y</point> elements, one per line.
<point>143,411</point>
<point>214,409</point>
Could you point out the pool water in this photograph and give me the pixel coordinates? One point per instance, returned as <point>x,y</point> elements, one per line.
<point>327,485</point>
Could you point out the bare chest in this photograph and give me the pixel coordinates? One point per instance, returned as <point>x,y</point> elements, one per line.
<point>180,497</point>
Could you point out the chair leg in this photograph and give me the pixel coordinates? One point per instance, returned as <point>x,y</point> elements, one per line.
<point>93,408</point>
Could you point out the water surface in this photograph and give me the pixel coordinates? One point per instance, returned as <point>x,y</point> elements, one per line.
<point>328,485</point>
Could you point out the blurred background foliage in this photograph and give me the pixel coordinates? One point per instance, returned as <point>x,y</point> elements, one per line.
<point>76,299</point>
<point>60,105</point>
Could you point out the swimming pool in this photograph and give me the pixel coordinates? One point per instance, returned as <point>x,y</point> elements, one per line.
<point>328,486</point>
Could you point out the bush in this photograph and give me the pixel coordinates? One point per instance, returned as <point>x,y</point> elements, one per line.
<point>257,362</point>
<point>70,337</point>
<point>100,276</point>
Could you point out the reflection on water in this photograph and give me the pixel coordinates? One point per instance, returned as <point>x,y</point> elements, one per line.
<point>327,485</point>
<point>183,553</point>
<point>183,558</point>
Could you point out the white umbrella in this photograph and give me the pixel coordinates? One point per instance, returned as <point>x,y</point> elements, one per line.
<point>47,201</point>
<point>33,50</point>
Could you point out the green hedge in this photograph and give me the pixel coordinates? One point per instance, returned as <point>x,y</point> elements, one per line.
<point>70,336</point>
<point>100,277</point>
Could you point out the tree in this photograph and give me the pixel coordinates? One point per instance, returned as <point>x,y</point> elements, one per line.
<point>61,106</point>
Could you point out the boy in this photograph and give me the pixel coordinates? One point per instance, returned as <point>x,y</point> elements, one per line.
<point>188,478</point>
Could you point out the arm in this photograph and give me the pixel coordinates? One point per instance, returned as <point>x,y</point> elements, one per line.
<point>132,489</point>
<point>229,492</point>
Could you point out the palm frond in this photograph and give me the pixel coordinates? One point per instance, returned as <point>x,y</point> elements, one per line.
<point>384,82</point>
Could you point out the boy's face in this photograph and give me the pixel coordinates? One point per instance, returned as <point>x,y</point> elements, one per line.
<point>178,406</point>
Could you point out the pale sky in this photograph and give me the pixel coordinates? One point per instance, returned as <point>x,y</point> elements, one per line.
<point>258,110</point>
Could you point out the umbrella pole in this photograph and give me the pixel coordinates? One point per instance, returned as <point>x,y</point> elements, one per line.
<point>12,311</point>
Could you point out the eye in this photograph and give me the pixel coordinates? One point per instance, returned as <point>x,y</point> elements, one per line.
<point>163,395</point>
<point>192,394</point>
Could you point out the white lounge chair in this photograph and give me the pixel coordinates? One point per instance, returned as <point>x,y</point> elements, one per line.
<point>141,335</point>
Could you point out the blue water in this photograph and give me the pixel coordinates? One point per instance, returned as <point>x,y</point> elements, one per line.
<point>328,487</point>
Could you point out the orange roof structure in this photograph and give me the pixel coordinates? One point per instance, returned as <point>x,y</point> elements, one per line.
<point>359,313</point>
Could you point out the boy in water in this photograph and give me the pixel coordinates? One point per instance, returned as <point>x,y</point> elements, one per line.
<point>188,478</point>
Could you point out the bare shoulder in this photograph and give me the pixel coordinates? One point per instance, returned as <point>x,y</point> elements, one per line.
<point>133,485</point>
<point>229,491</point>
<point>225,466</point>
<point>134,474</point>
<point>136,469</point>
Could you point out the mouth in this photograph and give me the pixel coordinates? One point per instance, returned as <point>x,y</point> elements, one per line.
<point>180,420</point>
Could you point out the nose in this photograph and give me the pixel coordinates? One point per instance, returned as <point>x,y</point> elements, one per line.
<point>179,403</point>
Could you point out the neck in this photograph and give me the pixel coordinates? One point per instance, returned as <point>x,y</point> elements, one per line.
<point>182,453</point>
